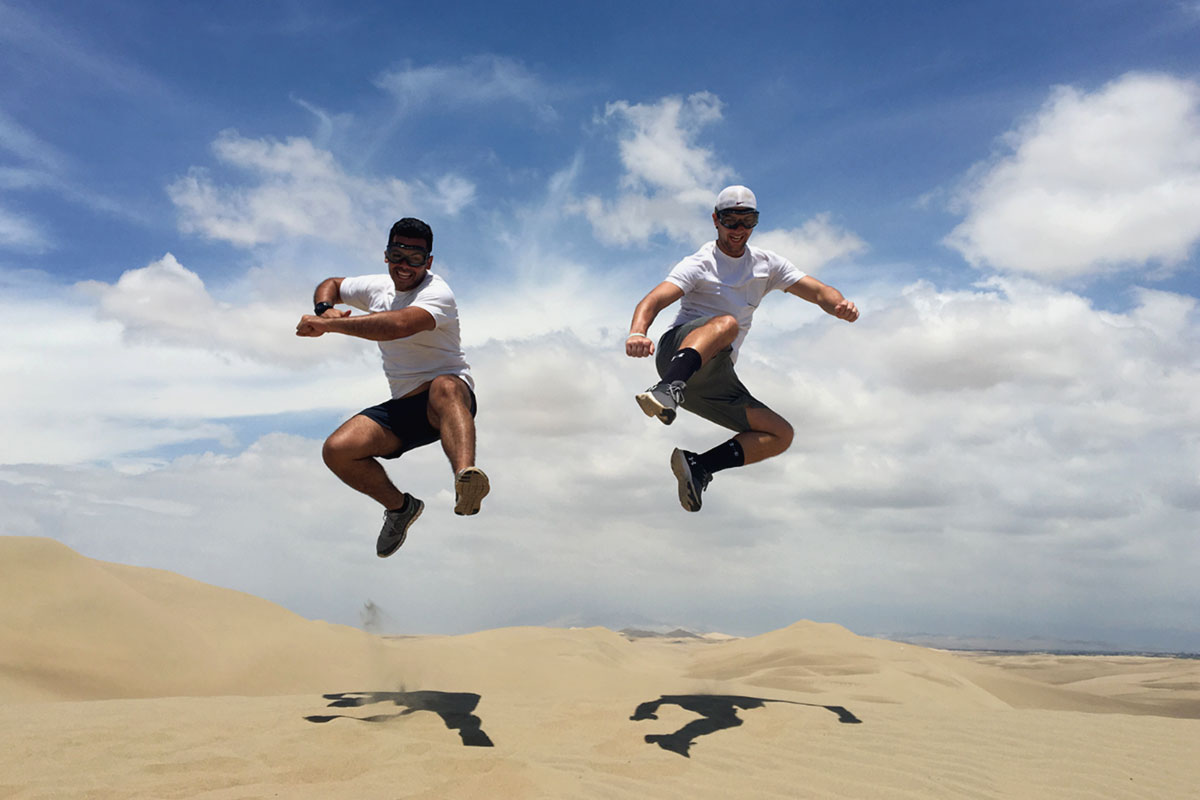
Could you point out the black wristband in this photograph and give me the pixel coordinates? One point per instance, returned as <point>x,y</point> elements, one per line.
<point>321,308</point>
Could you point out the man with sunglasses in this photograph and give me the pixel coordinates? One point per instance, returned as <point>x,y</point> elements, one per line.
<point>720,284</point>
<point>411,313</point>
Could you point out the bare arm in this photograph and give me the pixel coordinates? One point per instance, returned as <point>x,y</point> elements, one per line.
<point>328,291</point>
<point>382,326</point>
<point>639,345</point>
<point>828,298</point>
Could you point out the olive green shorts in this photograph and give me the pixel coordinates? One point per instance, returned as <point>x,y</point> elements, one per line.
<point>714,392</point>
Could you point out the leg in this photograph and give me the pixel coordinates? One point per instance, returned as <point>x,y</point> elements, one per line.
<point>712,337</point>
<point>769,435</point>
<point>681,358</point>
<point>350,453</point>
<point>450,413</point>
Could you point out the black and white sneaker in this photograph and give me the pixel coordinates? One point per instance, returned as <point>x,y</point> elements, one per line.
<point>395,527</point>
<point>693,478</point>
<point>661,400</point>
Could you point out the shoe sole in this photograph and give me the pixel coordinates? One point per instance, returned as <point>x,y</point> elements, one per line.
<point>404,533</point>
<point>470,487</point>
<point>653,408</point>
<point>689,498</point>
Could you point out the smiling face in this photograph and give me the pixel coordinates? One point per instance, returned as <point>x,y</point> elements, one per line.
<point>402,251</point>
<point>732,241</point>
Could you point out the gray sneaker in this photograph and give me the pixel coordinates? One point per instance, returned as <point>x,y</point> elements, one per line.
<point>395,527</point>
<point>661,400</point>
<point>470,487</point>
<point>693,478</point>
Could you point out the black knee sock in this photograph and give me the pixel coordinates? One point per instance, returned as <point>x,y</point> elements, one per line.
<point>723,456</point>
<point>682,365</point>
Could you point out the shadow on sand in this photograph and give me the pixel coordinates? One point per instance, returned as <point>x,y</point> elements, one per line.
<point>453,707</point>
<point>717,712</point>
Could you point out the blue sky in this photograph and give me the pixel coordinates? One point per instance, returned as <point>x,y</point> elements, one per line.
<point>1004,445</point>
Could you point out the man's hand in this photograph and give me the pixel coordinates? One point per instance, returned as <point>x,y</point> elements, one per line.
<point>311,325</point>
<point>639,346</point>
<point>845,310</point>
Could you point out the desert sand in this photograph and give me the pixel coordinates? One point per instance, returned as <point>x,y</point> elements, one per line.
<point>124,682</point>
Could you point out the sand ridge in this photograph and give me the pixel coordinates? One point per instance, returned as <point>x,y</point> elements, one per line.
<point>118,681</point>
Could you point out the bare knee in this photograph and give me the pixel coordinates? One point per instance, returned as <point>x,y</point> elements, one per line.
<point>726,327</point>
<point>445,389</point>
<point>784,435</point>
<point>334,450</point>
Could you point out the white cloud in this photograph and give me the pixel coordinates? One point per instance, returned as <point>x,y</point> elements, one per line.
<point>477,81</point>
<point>166,303</point>
<point>21,233</point>
<point>1094,183</point>
<point>91,391</point>
<point>814,244</point>
<point>1011,432</point>
<point>669,181</point>
<point>297,190</point>
<point>19,141</point>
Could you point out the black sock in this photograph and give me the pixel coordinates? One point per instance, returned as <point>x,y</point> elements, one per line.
<point>723,456</point>
<point>403,506</point>
<point>682,365</point>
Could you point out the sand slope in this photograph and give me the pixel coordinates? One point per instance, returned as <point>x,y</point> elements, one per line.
<point>120,682</point>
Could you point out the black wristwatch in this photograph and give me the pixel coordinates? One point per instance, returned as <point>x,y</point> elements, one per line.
<point>321,308</point>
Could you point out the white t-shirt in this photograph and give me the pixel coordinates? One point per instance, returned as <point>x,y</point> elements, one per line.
<point>714,283</point>
<point>415,359</point>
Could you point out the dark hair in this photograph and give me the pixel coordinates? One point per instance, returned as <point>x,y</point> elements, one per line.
<point>412,228</point>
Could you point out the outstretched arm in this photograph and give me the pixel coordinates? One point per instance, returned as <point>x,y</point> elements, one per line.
<point>828,298</point>
<point>639,345</point>
<point>382,326</point>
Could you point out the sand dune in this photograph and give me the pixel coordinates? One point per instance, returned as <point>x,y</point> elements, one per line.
<point>122,682</point>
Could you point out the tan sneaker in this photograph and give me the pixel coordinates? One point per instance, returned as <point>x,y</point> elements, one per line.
<point>470,487</point>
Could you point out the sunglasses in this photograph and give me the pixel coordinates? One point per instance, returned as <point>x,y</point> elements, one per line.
<point>734,219</point>
<point>406,254</point>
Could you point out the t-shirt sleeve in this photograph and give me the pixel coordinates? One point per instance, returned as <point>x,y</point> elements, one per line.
<point>357,291</point>
<point>782,274</point>
<point>438,300</point>
<point>685,274</point>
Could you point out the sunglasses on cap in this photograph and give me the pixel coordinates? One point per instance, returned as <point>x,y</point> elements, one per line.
<point>406,254</point>
<point>734,218</point>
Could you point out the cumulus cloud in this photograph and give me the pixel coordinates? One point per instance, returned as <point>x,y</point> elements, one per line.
<point>1092,184</point>
<point>485,80</point>
<point>92,392</point>
<point>1011,431</point>
<point>814,244</point>
<point>669,179</point>
<point>295,190</point>
<point>166,303</point>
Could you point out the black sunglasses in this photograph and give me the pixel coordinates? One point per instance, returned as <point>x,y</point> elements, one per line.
<point>406,254</point>
<point>733,218</point>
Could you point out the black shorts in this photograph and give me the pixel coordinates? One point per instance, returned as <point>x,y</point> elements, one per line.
<point>408,419</point>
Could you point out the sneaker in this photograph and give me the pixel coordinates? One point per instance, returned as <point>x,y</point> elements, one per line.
<point>661,400</point>
<point>693,478</point>
<point>395,527</point>
<point>470,487</point>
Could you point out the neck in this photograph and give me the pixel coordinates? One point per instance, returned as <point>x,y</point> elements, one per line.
<point>724,249</point>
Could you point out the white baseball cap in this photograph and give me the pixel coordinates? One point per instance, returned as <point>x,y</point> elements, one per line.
<point>736,197</point>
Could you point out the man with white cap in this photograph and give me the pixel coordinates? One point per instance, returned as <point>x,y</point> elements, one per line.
<point>720,284</point>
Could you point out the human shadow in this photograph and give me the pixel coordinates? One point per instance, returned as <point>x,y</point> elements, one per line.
<point>453,707</point>
<point>717,712</point>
